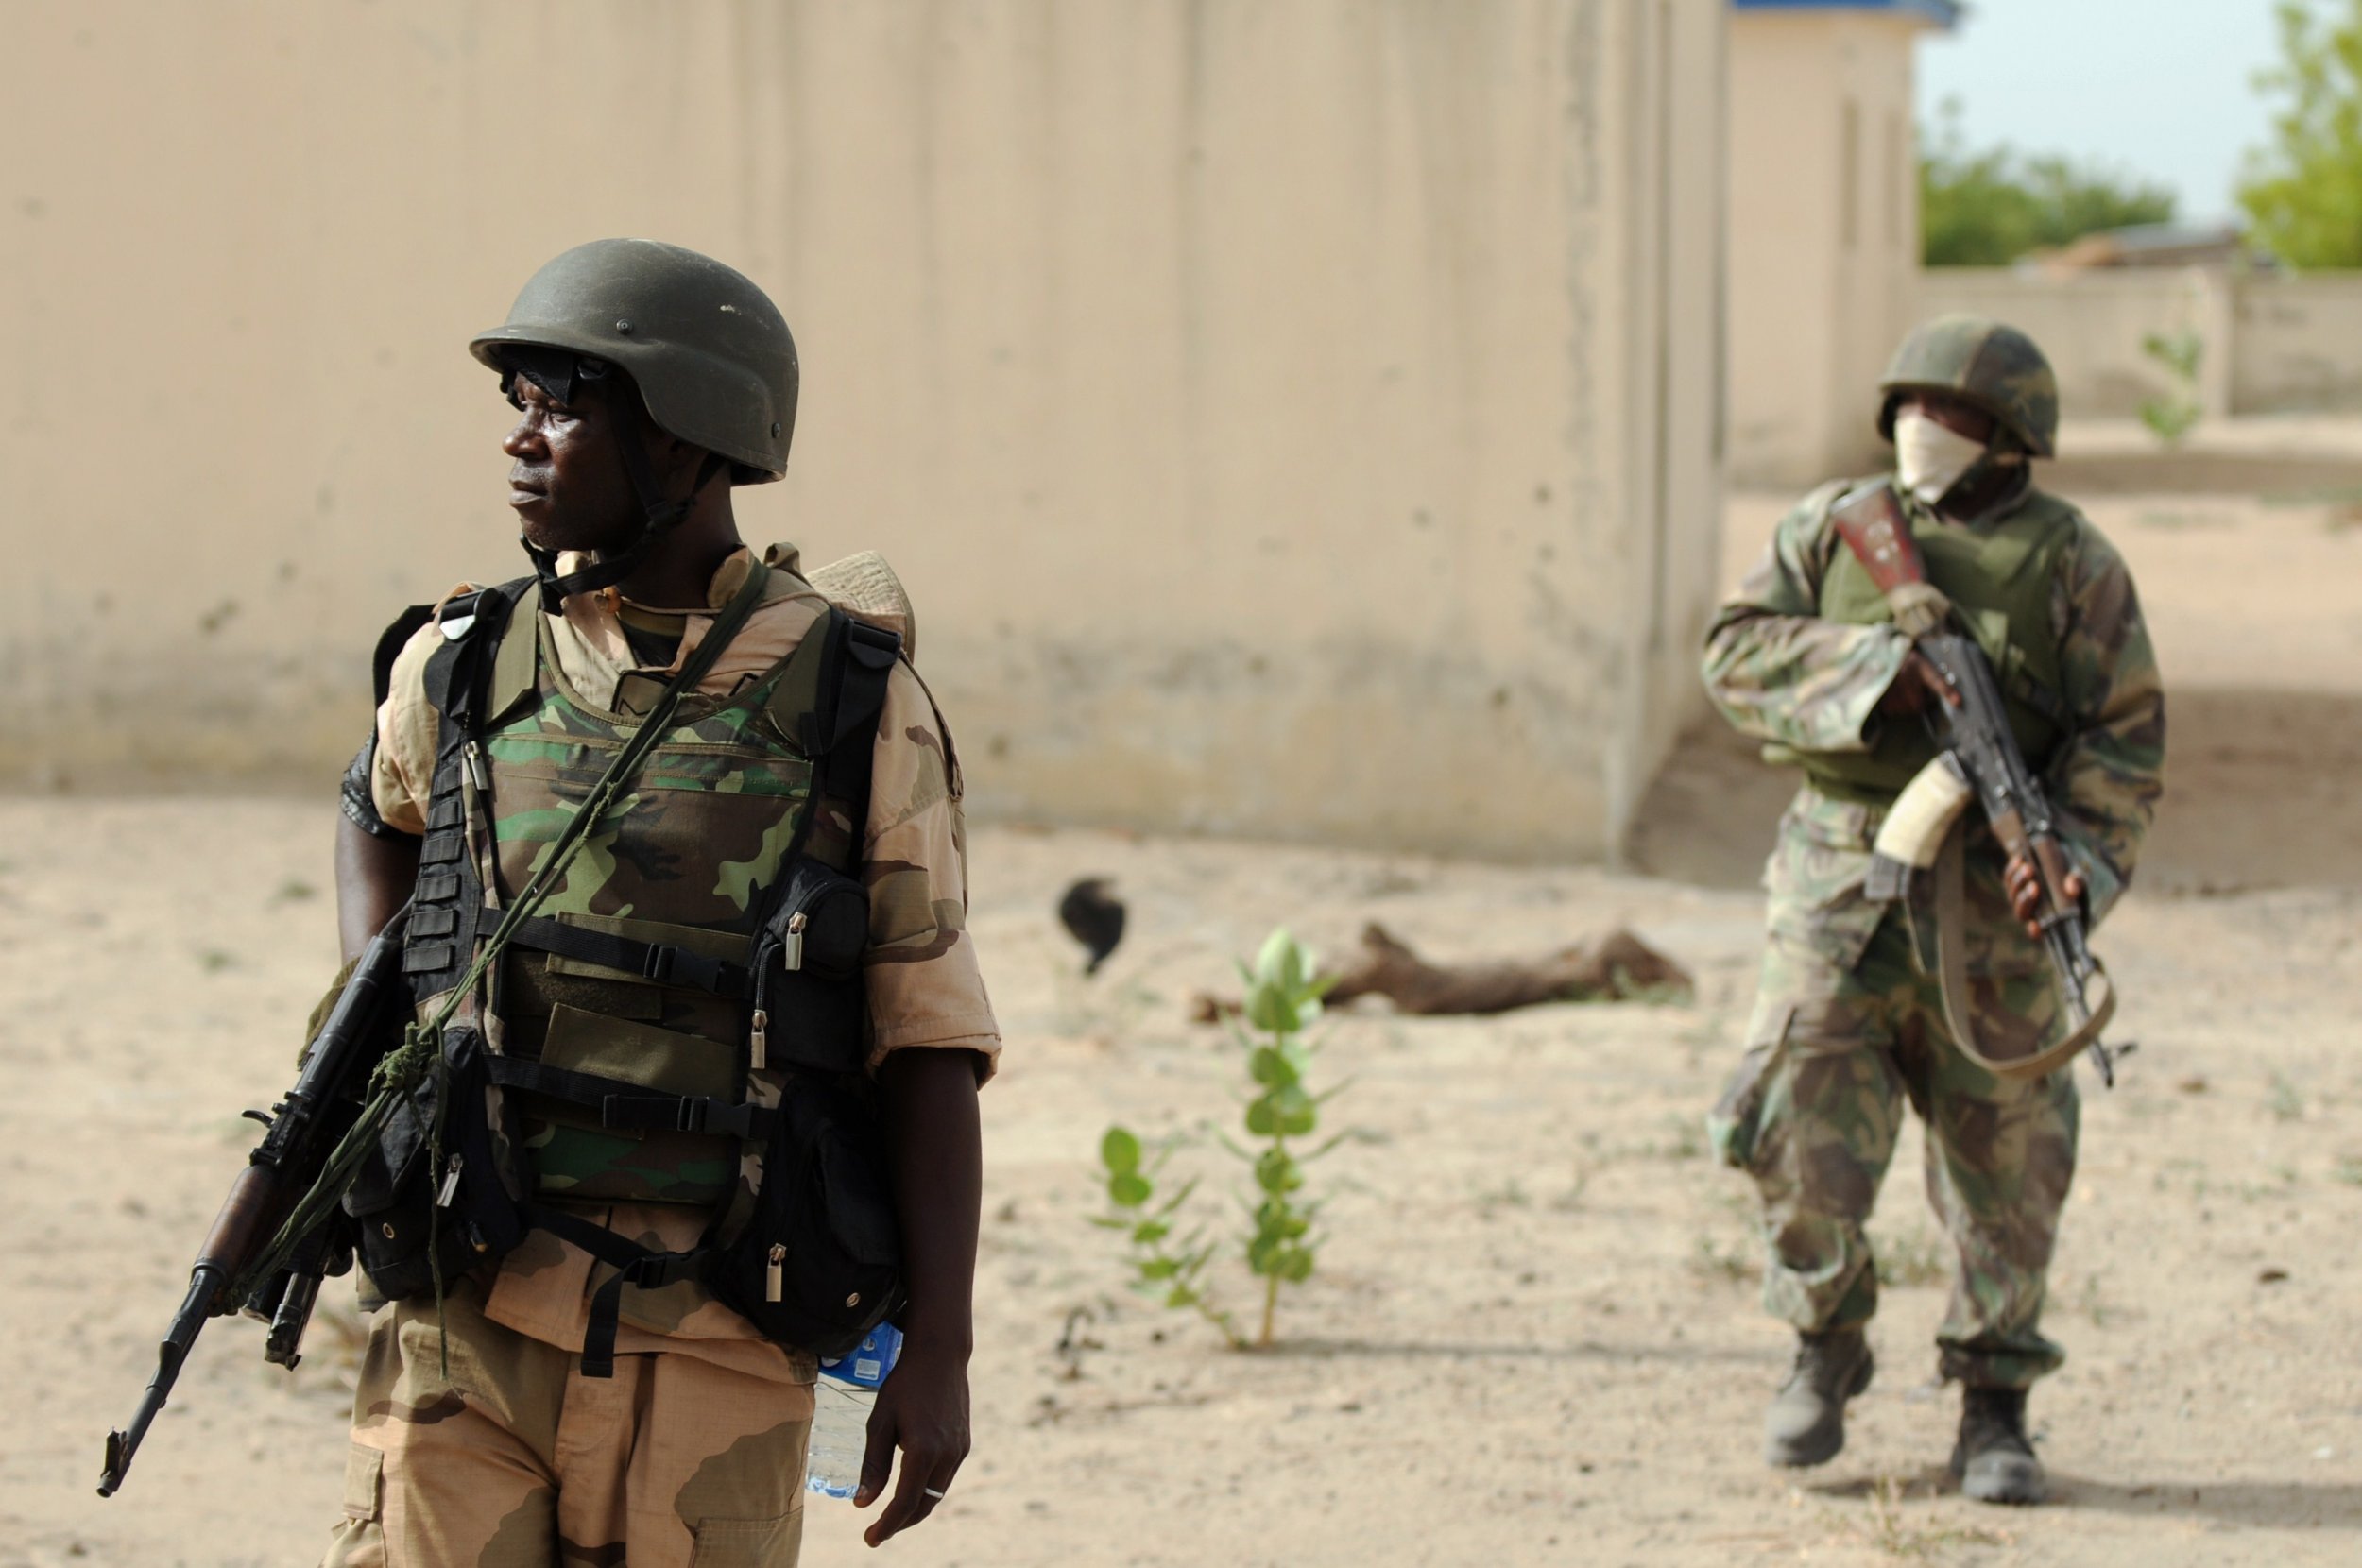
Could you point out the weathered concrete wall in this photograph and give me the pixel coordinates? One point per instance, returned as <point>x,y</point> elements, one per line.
<point>1290,420</point>
<point>2296,344</point>
<point>2091,326</point>
<point>1824,235</point>
<point>2272,345</point>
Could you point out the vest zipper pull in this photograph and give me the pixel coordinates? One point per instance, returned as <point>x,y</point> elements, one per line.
<point>771,1284</point>
<point>791,946</point>
<point>759,1039</point>
<point>477,769</point>
<point>451,1185</point>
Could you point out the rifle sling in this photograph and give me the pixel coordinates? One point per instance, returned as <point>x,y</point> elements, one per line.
<point>1952,980</point>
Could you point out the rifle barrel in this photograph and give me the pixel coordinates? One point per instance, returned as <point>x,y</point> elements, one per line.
<point>205,1285</point>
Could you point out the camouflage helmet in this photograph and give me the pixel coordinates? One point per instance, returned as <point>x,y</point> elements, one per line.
<point>1982,362</point>
<point>710,352</point>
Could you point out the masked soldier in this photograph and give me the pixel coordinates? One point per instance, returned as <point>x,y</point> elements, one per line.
<point>1850,1018</point>
<point>582,1362</point>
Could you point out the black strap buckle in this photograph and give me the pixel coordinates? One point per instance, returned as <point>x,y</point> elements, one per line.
<point>680,1114</point>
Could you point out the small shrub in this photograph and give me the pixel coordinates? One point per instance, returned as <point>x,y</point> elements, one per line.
<point>1283,1000</point>
<point>2172,417</point>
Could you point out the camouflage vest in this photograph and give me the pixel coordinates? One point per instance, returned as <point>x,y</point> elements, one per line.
<point>680,1019</point>
<point>2001,578</point>
<point>704,831</point>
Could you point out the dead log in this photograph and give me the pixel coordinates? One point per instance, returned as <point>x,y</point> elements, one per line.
<point>1615,967</point>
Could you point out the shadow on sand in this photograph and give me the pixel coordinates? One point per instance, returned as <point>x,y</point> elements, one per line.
<point>2274,1505</point>
<point>1588,1350</point>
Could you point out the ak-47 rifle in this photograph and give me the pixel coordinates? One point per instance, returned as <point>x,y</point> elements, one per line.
<point>298,1133</point>
<point>1979,759</point>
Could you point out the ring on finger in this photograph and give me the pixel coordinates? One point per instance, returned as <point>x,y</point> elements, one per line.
<point>932,1492</point>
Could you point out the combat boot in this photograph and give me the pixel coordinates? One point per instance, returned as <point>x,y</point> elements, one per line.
<point>1806,1424</point>
<point>1994,1461</point>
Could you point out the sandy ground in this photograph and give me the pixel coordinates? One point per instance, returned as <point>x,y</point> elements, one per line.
<point>1533,1337</point>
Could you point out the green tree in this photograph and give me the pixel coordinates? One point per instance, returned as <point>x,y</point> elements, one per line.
<point>1986,206</point>
<point>2303,187</point>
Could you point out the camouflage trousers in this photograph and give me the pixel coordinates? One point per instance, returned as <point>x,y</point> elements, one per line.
<point>517,1460</point>
<point>1812,1116</point>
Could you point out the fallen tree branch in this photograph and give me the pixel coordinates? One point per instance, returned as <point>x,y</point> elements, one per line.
<point>1620,966</point>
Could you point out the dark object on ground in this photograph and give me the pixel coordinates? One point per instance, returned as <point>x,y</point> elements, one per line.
<point>1618,966</point>
<point>1994,1461</point>
<point>1806,1424</point>
<point>1094,917</point>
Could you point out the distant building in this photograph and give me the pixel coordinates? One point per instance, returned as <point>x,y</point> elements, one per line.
<point>1292,420</point>
<point>2152,245</point>
<point>1824,224</point>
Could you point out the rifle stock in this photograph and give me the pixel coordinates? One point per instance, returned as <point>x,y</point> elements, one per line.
<point>302,1129</point>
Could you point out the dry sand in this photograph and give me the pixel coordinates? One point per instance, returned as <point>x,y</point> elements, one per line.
<point>1533,1337</point>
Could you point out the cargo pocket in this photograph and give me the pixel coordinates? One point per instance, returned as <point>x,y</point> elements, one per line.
<point>1814,878</point>
<point>1735,1125</point>
<point>364,1473</point>
<point>749,1543</point>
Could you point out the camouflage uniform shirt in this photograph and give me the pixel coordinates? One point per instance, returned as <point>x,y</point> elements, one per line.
<point>1783,675</point>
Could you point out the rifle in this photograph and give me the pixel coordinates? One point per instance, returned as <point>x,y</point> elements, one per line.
<point>298,1134</point>
<point>1980,760</point>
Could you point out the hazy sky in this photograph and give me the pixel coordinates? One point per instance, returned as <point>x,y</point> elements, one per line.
<point>2155,87</point>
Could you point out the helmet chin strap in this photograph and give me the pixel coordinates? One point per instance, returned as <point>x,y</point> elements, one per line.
<point>658,514</point>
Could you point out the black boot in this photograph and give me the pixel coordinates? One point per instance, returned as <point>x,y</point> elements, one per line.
<point>1806,1424</point>
<point>1994,1461</point>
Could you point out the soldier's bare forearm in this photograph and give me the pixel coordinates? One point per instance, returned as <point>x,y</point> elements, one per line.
<point>936,1148</point>
<point>374,877</point>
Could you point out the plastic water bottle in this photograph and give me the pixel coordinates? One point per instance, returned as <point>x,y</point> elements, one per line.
<point>841,1402</point>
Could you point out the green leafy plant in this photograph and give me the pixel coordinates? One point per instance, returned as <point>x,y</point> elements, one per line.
<point>1163,1268</point>
<point>1283,1001</point>
<point>1990,206</point>
<point>2171,417</point>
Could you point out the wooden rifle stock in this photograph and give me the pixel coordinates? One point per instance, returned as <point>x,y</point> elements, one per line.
<point>1871,524</point>
<point>298,1135</point>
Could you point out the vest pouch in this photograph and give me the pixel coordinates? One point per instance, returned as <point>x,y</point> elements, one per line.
<point>395,1200</point>
<point>820,1262</point>
<point>808,973</point>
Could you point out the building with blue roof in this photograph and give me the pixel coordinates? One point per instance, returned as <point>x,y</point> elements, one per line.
<point>1824,224</point>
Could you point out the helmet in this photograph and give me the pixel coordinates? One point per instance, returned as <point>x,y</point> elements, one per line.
<point>1994,367</point>
<point>710,352</point>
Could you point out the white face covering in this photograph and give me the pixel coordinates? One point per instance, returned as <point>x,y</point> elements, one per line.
<point>1929,459</point>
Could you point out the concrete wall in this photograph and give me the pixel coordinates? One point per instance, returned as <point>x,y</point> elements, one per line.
<point>2091,326</point>
<point>2296,344</point>
<point>1290,419</point>
<point>1824,235</point>
<point>2273,344</point>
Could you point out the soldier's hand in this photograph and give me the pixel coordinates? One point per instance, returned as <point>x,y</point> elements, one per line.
<point>921,1410</point>
<point>2023,880</point>
<point>1916,686</point>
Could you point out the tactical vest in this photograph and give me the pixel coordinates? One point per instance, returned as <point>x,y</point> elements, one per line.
<point>684,1013</point>
<point>2001,578</point>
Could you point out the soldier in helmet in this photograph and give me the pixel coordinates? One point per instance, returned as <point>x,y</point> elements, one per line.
<point>1848,1023</point>
<point>570,1385</point>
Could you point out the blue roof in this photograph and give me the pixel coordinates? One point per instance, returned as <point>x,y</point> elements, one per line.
<point>1942,13</point>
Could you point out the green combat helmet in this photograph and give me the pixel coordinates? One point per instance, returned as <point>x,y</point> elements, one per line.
<point>1994,367</point>
<point>711,355</point>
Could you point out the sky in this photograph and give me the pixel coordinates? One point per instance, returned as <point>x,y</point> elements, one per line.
<point>2157,88</point>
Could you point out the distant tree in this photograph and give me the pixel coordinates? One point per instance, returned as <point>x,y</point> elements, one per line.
<point>2303,187</point>
<point>1987,206</point>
